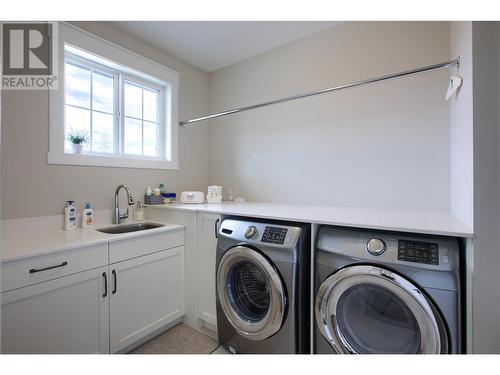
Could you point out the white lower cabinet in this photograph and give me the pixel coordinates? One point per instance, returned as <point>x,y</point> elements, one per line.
<point>66,315</point>
<point>206,250</point>
<point>100,310</point>
<point>146,293</point>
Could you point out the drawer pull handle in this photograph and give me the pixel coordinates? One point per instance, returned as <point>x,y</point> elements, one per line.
<point>105,284</point>
<point>34,270</point>
<point>114,278</point>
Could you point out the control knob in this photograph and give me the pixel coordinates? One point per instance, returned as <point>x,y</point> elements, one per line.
<point>250,232</point>
<point>375,246</point>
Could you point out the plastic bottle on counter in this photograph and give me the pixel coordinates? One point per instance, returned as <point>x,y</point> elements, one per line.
<point>69,216</point>
<point>138,212</point>
<point>87,216</point>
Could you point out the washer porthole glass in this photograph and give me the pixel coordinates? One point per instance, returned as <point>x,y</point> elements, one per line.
<point>248,291</point>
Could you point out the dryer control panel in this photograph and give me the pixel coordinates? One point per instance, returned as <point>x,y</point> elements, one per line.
<point>413,250</point>
<point>418,251</point>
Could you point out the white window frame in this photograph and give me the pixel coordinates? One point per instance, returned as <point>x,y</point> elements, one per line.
<point>130,65</point>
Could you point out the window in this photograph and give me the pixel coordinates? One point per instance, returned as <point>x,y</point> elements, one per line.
<point>141,119</point>
<point>90,105</point>
<point>125,113</point>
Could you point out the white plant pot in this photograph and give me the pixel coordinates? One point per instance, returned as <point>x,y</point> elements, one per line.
<point>77,148</point>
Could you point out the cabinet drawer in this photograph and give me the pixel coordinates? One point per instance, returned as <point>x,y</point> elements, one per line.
<point>29,271</point>
<point>135,247</point>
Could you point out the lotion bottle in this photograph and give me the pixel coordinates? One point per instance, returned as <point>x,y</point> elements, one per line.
<point>87,216</point>
<point>69,216</point>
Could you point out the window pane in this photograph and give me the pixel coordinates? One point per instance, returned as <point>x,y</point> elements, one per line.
<point>76,120</point>
<point>102,92</point>
<point>133,137</point>
<point>102,132</point>
<point>133,101</point>
<point>77,85</point>
<point>150,142</point>
<point>150,105</point>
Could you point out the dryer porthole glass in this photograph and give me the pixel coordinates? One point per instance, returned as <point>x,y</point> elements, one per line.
<point>248,291</point>
<point>372,319</point>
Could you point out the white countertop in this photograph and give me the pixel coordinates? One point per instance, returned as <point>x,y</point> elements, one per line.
<point>441,223</point>
<point>27,237</point>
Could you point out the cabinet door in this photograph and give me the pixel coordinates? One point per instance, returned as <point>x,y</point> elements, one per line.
<point>207,248</point>
<point>147,293</point>
<point>66,315</point>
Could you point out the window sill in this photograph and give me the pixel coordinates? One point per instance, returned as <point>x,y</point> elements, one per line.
<point>108,161</point>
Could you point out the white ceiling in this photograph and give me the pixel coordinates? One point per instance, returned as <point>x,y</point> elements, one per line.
<point>212,45</point>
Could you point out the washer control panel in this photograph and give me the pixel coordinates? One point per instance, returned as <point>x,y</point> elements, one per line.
<point>418,252</point>
<point>276,235</point>
<point>273,235</point>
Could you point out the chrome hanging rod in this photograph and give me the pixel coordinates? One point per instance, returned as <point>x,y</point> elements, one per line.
<point>443,65</point>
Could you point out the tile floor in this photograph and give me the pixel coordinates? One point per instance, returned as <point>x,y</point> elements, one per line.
<point>180,339</point>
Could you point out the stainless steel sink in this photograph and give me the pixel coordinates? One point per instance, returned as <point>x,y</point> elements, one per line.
<point>127,228</point>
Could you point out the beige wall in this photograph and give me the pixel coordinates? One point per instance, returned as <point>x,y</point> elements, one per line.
<point>461,129</point>
<point>31,187</point>
<point>385,145</point>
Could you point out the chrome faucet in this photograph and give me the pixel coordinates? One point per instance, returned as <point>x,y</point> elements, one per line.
<point>117,217</point>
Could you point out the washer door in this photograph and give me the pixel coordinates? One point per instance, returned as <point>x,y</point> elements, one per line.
<point>251,293</point>
<point>370,310</point>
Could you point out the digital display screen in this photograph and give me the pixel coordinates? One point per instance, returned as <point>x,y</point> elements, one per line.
<point>274,235</point>
<point>418,252</point>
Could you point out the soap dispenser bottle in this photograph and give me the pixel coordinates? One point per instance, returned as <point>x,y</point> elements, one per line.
<point>87,216</point>
<point>69,216</point>
<point>138,212</point>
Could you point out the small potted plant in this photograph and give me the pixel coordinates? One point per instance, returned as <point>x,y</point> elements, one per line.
<point>77,140</point>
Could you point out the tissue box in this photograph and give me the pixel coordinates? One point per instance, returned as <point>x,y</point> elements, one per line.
<point>192,197</point>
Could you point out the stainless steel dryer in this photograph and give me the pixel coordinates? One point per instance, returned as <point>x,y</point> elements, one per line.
<point>386,293</point>
<point>263,278</point>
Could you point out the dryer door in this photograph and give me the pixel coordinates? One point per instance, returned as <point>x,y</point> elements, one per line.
<point>251,293</point>
<point>370,310</point>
